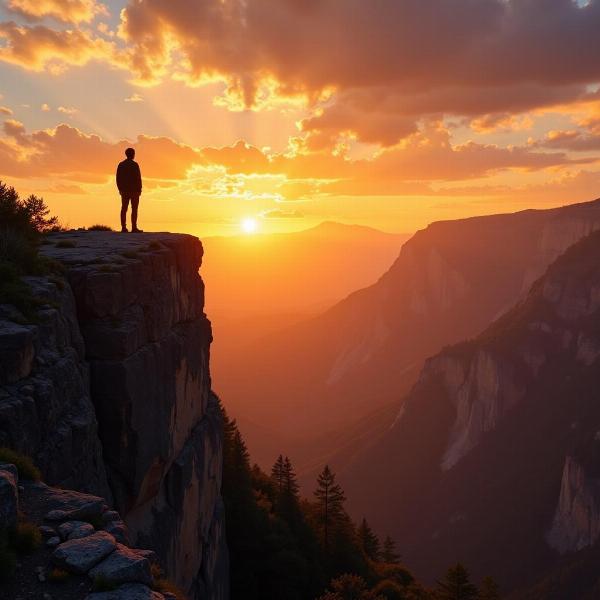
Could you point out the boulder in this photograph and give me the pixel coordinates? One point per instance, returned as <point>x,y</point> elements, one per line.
<point>80,555</point>
<point>53,542</point>
<point>119,531</point>
<point>110,515</point>
<point>83,530</point>
<point>47,531</point>
<point>9,498</point>
<point>130,591</point>
<point>124,565</point>
<point>68,527</point>
<point>56,515</point>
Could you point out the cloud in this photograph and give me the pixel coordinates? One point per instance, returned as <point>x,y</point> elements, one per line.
<point>67,110</point>
<point>64,188</point>
<point>134,98</point>
<point>45,107</point>
<point>40,48</point>
<point>417,166</point>
<point>382,66</point>
<point>67,152</point>
<point>277,213</point>
<point>4,110</point>
<point>573,140</point>
<point>367,71</point>
<point>68,11</point>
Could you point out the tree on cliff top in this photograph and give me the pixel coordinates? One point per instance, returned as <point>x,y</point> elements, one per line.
<point>21,223</point>
<point>29,217</point>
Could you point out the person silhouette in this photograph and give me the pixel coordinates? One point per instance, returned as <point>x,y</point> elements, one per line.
<point>129,183</point>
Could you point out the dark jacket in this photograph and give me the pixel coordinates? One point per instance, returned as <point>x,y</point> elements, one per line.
<point>129,178</point>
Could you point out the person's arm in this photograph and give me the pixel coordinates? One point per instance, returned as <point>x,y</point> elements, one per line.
<point>139,178</point>
<point>119,177</point>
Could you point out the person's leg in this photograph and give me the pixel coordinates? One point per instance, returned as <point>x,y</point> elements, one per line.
<point>135,201</point>
<point>124,205</point>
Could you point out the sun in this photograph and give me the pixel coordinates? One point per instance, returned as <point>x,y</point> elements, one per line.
<point>249,225</point>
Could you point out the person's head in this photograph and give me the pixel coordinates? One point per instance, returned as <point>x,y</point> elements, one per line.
<point>130,153</point>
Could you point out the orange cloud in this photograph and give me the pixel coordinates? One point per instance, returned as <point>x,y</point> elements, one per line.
<point>67,152</point>
<point>68,11</point>
<point>38,48</point>
<point>243,171</point>
<point>387,64</point>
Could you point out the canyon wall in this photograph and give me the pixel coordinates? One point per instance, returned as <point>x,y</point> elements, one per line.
<point>126,347</point>
<point>493,456</point>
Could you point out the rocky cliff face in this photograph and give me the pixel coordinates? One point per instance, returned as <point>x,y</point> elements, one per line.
<point>494,457</point>
<point>140,341</point>
<point>576,523</point>
<point>46,409</point>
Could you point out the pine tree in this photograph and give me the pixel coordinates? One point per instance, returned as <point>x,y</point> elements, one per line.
<point>456,585</point>
<point>488,590</point>
<point>290,480</point>
<point>277,474</point>
<point>330,501</point>
<point>369,541</point>
<point>349,587</point>
<point>389,554</point>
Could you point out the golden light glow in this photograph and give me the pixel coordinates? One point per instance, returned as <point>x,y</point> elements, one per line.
<point>249,225</point>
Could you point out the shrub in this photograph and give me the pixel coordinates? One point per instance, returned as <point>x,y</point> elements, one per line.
<point>25,538</point>
<point>29,216</point>
<point>99,227</point>
<point>58,576</point>
<point>390,590</point>
<point>24,464</point>
<point>22,223</point>
<point>17,249</point>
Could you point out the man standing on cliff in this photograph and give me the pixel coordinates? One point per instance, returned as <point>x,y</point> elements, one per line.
<point>129,182</point>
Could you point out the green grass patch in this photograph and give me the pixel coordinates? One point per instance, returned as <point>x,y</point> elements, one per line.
<point>25,466</point>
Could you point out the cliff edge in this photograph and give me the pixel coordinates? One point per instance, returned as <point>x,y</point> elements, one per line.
<point>110,392</point>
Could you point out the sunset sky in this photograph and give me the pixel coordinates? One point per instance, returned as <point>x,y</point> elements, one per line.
<point>388,113</point>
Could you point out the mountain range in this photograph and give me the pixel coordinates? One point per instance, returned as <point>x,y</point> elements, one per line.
<point>314,384</point>
<point>493,455</point>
